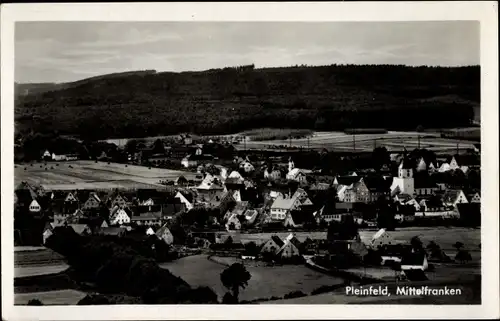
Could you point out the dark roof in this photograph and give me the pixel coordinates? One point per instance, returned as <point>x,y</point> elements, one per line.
<point>406,163</point>
<point>233,181</point>
<point>112,230</point>
<point>451,195</point>
<point>377,184</point>
<point>301,216</point>
<point>24,195</point>
<point>424,182</point>
<point>138,210</point>
<point>172,208</point>
<point>469,209</point>
<point>413,259</point>
<point>277,240</point>
<point>147,216</point>
<point>415,275</point>
<point>347,180</point>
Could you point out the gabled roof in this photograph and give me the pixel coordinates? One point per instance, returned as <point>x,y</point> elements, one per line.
<point>406,163</point>
<point>451,195</point>
<point>301,216</point>
<point>283,203</point>
<point>378,234</point>
<point>79,228</point>
<point>319,187</point>
<point>112,230</point>
<point>276,239</point>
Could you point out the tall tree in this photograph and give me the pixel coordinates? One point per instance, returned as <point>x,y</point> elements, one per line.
<point>235,277</point>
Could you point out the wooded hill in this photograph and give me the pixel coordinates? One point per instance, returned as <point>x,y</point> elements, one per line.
<point>217,101</point>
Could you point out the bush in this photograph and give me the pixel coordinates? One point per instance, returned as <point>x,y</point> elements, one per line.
<point>35,302</point>
<point>294,294</point>
<point>325,289</point>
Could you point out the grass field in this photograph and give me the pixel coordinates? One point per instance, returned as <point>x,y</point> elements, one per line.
<point>91,175</point>
<point>265,282</point>
<point>341,142</point>
<point>59,297</point>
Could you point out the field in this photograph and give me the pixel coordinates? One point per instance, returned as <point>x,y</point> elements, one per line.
<point>91,175</point>
<point>59,297</point>
<point>341,142</point>
<point>265,282</point>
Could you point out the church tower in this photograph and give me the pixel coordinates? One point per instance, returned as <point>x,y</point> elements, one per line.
<point>404,180</point>
<point>291,165</point>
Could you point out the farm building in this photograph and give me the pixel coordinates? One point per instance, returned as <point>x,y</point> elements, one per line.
<point>164,234</point>
<point>381,238</point>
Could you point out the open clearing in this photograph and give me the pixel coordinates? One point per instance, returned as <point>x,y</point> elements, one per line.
<point>265,282</point>
<point>92,175</point>
<point>59,297</point>
<point>341,142</point>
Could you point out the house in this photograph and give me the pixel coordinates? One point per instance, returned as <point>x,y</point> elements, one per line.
<point>454,197</point>
<point>112,231</point>
<point>184,200</point>
<point>147,218</point>
<point>425,185</point>
<point>281,207</point>
<point>119,216</point>
<point>187,139</point>
<point>297,218</point>
<point>251,216</point>
<point>209,187</point>
<point>239,209</point>
<point>421,165</point>
<point>414,261</point>
<point>298,175</point>
<point>171,207</point>
<point>357,193</point>
<point>47,232</point>
<point>233,223</point>
<point>190,161</point>
<point>272,245</point>
<point>81,229</point>
<point>289,249</point>
<point>236,176</point>
<point>92,202</point>
<point>272,173</point>
<point>164,234</point>
<point>181,181</point>
<point>57,158</point>
<point>247,166</point>
<point>34,207</point>
<point>150,231</point>
<point>319,187</point>
<point>46,155</point>
<point>474,198</point>
<point>432,205</point>
<point>116,199</point>
<point>381,238</point>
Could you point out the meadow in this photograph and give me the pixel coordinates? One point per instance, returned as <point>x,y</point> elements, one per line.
<point>91,175</point>
<point>341,142</point>
<point>265,282</point>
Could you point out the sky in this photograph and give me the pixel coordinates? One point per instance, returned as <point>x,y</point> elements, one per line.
<point>63,51</point>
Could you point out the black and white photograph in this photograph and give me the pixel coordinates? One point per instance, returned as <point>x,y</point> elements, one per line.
<point>239,162</point>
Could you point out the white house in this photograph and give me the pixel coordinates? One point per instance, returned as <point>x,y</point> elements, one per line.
<point>414,261</point>
<point>164,234</point>
<point>35,207</point>
<point>288,250</point>
<point>184,200</point>
<point>119,217</point>
<point>150,231</point>
<point>233,223</point>
<point>296,174</point>
<point>381,238</point>
<point>475,198</point>
<point>281,207</point>
<point>56,157</point>
<point>189,161</point>
<point>47,155</point>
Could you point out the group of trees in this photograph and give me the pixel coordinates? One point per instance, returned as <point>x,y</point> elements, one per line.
<point>231,100</point>
<point>120,267</point>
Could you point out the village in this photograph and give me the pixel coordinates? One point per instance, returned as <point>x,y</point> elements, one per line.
<point>247,206</point>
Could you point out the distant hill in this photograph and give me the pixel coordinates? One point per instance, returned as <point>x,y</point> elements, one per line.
<point>217,101</point>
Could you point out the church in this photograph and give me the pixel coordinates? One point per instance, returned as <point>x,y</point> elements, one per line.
<point>405,181</point>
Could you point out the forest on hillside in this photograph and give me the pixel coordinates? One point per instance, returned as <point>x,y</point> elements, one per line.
<point>229,100</point>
